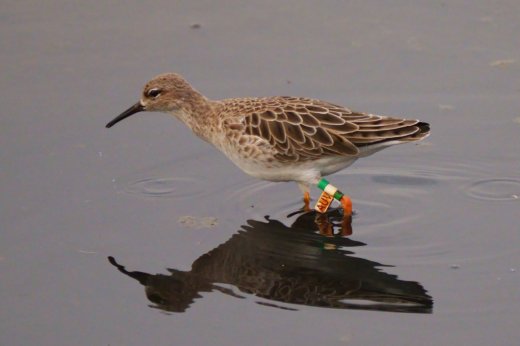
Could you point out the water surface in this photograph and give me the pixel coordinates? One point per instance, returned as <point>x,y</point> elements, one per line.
<point>143,234</point>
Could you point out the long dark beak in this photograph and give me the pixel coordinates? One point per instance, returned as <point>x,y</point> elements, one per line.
<point>132,110</point>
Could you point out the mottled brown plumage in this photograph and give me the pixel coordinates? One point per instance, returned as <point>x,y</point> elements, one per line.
<point>302,129</point>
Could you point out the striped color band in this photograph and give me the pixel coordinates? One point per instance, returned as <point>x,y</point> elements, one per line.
<point>330,189</point>
<point>338,195</point>
<point>322,183</point>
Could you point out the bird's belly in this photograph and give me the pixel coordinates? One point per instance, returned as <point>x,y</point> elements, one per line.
<point>307,171</point>
<point>264,165</point>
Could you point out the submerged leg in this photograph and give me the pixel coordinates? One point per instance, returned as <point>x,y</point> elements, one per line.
<point>326,226</point>
<point>346,225</point>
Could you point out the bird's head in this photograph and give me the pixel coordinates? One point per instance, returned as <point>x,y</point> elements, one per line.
<point>169,93</point>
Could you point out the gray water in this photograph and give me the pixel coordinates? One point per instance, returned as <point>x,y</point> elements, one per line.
<point>144,235</point>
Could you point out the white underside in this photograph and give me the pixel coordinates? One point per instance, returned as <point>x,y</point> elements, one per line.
<point>309,172</point>
<point>305,173</point>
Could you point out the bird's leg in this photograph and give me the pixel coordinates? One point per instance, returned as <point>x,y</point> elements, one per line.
<point>306,201</point>
<point>326,227</point>
<point>332,191</point>
<point>346,225</point>
<point>306,196</point>
<point>346,203</point>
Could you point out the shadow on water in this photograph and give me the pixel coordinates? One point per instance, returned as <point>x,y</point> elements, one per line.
<point>294,265</point>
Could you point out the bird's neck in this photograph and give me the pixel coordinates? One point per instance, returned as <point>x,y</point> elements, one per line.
<point>198,114</point>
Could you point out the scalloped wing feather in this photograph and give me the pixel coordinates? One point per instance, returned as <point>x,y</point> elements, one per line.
<point>301,129</point>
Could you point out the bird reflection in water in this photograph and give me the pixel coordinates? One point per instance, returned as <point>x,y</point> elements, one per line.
<point>292,265</point>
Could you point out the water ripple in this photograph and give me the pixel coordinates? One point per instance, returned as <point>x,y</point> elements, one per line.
<point>169,187</point>
<point>499,189</point>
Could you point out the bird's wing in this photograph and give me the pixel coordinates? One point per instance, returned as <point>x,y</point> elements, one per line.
<point>301,129</point>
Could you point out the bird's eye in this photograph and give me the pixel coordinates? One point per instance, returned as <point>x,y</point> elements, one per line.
<point>153,93</point>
